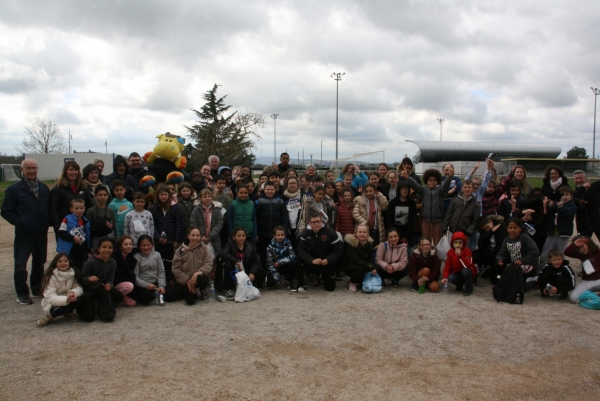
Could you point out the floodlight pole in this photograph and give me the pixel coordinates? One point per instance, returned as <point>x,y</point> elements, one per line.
<point>70,137</point>
<point>441,121</point>
<point>106,144</point>
<point>274,117</point>
<point>338,77</point>
<point>596,93</point>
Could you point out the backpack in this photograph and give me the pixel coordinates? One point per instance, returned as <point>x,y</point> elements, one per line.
<point>510,287</point>
<point>589,300</point>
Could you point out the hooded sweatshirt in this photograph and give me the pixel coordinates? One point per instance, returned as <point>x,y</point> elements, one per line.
<point>131,185</point>
<point>105,271</point>
<point>455,263</point>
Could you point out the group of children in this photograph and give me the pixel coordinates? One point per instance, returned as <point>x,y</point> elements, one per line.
<point>175,241</point>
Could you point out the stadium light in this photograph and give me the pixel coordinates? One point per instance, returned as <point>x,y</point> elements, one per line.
<point>337,76</point>
<point>441,121</point>
<point>596,93</point>
<point>274,117</point>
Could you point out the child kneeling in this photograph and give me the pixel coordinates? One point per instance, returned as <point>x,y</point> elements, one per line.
<point>191,266</point>
<point>61,290</point>
<point>150,273</point>
<point>281,259</point>
<point>424,266</point>
<point>556,277</point>
<point>459,268</point>
<point>391,258</point>
<point>360,256</point>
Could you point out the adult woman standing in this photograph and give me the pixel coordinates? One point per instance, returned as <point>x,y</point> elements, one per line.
<point>519,175</point>
<point>70,185</point>
<point>100,164</point>
<point>554,178</point>
<point>91,179</point>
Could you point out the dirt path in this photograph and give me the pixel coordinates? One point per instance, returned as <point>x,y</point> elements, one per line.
<point>322,346</point>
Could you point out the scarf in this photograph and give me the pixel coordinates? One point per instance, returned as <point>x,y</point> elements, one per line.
<point>372,213</point>
<point>555,184</point>
<point>207,217</point>
<point>92,187</point>
<point>34,187</point>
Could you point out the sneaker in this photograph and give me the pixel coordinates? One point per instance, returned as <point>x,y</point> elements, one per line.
<point>230,294</point>
<point>292,290</point>
<point>468,291</point>
<point>203,294</point>
<point>414,287</point>
<point>45,320</point>
<point>302,289</point>
<point>24,300</point>
<point>352,287</point>
<point>71,316</point>
<point>395,283</point>
<point>36,295</point>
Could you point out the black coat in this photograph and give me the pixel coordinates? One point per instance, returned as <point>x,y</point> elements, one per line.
<point>125,267</point>
<point>322,245</point>
<point>170,223</point>
<point>24,211</point>
<point>551,194</point>
<point>60,203</point>
<point>269,214</point>
<point>251,257</point>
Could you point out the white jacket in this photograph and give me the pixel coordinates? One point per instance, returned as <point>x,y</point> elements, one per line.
<point>59,285</point>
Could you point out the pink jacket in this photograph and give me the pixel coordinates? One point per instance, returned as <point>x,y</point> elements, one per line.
<point>395,255</point>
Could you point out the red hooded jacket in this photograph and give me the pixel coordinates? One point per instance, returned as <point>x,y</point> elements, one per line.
<point>454,264</point>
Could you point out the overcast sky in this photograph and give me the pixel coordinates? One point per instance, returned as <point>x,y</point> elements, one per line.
<point>129,70</point>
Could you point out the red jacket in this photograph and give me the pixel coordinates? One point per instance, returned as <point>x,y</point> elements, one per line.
<point>418,262</point>
<point>453,262</point>
<point>345,222</point>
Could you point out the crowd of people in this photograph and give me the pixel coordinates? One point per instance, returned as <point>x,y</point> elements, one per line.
<point>293,229</point>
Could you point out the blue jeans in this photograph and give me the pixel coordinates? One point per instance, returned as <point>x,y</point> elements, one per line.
<point>464,277</point>
<point>27,244</point>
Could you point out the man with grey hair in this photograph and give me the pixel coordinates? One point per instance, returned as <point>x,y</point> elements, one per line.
<point>586,198</point>
<point>213,162</point>
<point>26,206</point>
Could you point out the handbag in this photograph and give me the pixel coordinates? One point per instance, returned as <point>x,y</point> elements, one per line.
<point>589,300</point>
<point>245,290</point>
<point>372,283</point>
<point>443,246</point>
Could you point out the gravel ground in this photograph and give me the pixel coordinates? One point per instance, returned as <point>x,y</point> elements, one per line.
<point>320,346</point>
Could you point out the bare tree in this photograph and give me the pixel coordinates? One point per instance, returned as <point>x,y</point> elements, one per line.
<point>42,137</point>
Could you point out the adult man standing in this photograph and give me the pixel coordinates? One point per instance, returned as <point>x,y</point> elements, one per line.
<point>284,165</point>
<point>120,173</point>
<point>26,206</point>
<point>586,198</point>
<point>135,167</point>
<point>319,250</point>
<point>213,162</point>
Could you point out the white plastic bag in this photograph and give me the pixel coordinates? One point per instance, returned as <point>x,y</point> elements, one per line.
<point>211,249</point>
<point>245,290</point>
<point>443,246</point>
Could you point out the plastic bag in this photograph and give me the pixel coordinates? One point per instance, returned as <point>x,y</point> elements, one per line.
<point>589,300</point>
<point>372,283</point>
<point>443,247</point>
<point>245,290</point>
<point>212,250</point>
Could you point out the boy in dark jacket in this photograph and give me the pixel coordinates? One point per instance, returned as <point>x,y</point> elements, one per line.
<point>463,212</point>
<point>74,234</point>
<point>556,277</point>
<point>492,231</point>
<point>281,260</point>
<point>270,213</point>
<point>319,249</point>
<point>120,173</point>
<point>459,268</point>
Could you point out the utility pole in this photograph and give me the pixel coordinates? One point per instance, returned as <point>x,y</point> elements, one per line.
<point>70,137</point>
<point>106,144</point>
<point>321,153</point>
<point>274,117</point>
<point>337,76</point>
<point>441,121</point>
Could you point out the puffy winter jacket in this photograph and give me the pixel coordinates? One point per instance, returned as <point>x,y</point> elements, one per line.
<point>394,255</point>
<point>169,223</point>
<point>216,224</point>
<point>359,254</point>
<point>251,257</point>
<point>55,293</point>
<point>270,213</point>
<point>344,222</point>
<point>361,215</point>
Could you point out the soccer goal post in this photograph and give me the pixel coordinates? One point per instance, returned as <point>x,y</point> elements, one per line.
<point>339,163</point>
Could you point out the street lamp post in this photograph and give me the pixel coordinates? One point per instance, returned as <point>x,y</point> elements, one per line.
<point>311,158</point>
<point>70,137</point>
<point>596,93</point>
<point>338,77</point>
<point>274,117</point>
<point>106,144</point>
<point>441,121</point>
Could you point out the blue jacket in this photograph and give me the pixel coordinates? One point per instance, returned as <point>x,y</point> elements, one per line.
<point>24,211</point>
<point>359,180</point>
<point>564,218</point>
<point>62,245</point>
<point>170,223</point>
